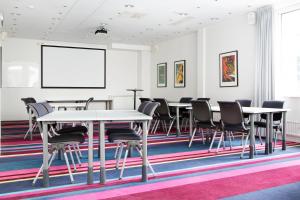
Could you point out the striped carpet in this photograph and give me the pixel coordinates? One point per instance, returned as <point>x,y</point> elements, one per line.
<point>181,172</point>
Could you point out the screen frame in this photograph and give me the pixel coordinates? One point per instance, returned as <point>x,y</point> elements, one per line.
<point>70,87</point>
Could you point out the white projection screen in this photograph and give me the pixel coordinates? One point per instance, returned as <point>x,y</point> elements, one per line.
<point>72,67</point>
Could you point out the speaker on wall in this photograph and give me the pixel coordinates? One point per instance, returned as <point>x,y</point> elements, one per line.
<point>251,18</point>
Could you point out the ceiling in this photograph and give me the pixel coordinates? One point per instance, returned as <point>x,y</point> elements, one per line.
<point>128,21</point>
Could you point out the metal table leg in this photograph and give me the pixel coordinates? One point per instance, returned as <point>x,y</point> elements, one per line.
<point>252,138</point>
<point>102,153</point>
<point>271,134</point>
<point>283,130</point>
<point>45,155</point>
<point>90,153</point>
<point>267,143</point>
<point>177,122</point>
<point>145,149</point>
<point>191,122</point>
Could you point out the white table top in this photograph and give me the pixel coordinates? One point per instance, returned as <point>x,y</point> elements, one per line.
<point>94,115</point>
<point>180,104</point>
<point>68,105</point>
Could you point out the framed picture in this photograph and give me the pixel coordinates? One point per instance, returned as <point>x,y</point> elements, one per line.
<point>228,65</point>
<point>179,74</point>
<point>162,75</point>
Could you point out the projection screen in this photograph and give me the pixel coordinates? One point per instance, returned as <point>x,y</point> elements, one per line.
<point>72,67</point>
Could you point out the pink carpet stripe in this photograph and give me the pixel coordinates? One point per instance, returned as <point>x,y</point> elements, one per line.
<point>179,182</point>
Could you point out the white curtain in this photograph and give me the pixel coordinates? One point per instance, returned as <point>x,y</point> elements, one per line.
<point>264,74</point>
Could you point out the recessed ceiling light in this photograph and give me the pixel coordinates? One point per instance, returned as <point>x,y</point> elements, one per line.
<point>229,13</point>
<point>18,14</point>
<point>110,18</point>
<point>65,6</point>
<point>158,24</point>
<point>118,13</point>
<point>149,29</point>
<point>15,24</point>
<point>170,20</point>
<point>249,6</point>
<point>31,6</point>
<point>16,7</point>
<point>214,18</point>
<point>60,13</point>
<point>198,7</point>
<point>182,14</point>
<point>129,6</point>
<point>53,18</point>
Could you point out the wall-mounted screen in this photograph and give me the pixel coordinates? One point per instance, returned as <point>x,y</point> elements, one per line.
<point>72,67</point>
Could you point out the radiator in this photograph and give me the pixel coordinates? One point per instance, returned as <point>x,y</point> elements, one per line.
<point>124,102</point>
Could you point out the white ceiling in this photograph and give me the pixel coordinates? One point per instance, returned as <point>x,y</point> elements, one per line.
<point>149,21</point>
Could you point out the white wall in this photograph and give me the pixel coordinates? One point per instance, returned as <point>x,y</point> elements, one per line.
<point>122,72</point>
<point>229,35</point>
<point>182,48</point>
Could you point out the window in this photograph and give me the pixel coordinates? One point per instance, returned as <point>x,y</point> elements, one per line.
<point>288,74</point>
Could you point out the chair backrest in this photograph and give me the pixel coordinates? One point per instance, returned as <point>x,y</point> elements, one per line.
<point>231,113</point>
<point>86,107</point>
<point>143,105</point>
<point>203,99</point>
<point>202,111</point>
<point>163,108</point>
<point>142,99</point>
<point>150,108</point>
<point>245,102</point>
<point>27,101</point>
<point>273,104</point>
<point>185,99</point>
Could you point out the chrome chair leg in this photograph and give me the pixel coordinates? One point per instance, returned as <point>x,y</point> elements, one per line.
<point>72,159</point>
<point>170,127</point>
<point>124,161</point>
<point>119,155</point>
<point>77,155</point>
<point>212,141</point>
<point>244,147</point>
<point>192,138</point>
<point>221,139</point>
<point>68,166</point>
<point>150,166</point>
<point>202,134</point>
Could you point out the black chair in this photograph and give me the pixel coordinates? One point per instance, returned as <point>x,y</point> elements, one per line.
<point>203,118</point>
<point>277,117</point>
<point>163,115</point>
<point>203,99</point>
<point>32,120</point>
<point>57,140</point>
<point>245,103</point>
<point>183,112</point>
<point>86,106</point>
<point>130,138</point>
<point>142,99</point>
<point>232,120</point>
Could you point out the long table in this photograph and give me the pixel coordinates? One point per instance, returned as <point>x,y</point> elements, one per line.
<point>90,116</point>
<point>253,111</point>
<point>108,102</point>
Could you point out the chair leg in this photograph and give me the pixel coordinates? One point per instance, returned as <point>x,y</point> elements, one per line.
<point>124,161</point>
<point>221,139</point>
<point>117,150</point>
<point>244,147</point>
<point>119,155</point>
<point>68,165</point>
<point>259,136</point>
<point>77,155</point>
<point>242,139</point>
<point>158,121</point>
<point>192,138</point>
<point>230,140</point>
<point>202,134</point>
<point>72,159</point>
<point>212,141</point>
<point>51,158</point>
<point>78,148</point>
<point>153,126</point>
<point>186,124</point>
<point>170,127</point>
<point>182,122</point>
<point>150,166</point>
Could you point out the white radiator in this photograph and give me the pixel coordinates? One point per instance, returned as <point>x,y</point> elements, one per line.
<point>124,102</point>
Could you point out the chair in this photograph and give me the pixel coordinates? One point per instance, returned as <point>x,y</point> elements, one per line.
<point>262,123</point>
<point>183,112</point>
<point>131,138</point>
<point>86,106</point>
<point>245,103</point>
<point>59,140</point>
<point>142,99</point>
<point>163,115</point>
<point>203,118</point>
<point>232,120</point>
<point>32,120</point>
<point>203,99</point>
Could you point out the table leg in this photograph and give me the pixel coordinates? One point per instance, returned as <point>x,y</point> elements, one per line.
<point>191,123</point>
<point>30,123</point>
<point>252,138</point>
<point>90,153</point>
<point>177,122</point>
<point>102,153</point>
<point>145,164</point>
<point>45,155</point>
<point>284,131</point>
<point>267,143</point>
<point>271,133</point>
<point>134,98</point>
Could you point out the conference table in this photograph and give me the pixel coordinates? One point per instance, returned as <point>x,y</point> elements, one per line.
<point>253,111</point>
<point>89,117</point>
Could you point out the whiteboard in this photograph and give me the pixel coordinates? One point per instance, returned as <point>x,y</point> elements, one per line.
<point>72,67</point>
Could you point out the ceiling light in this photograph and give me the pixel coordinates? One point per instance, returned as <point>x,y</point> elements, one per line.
<point>31,6</point>
<point>249,6</point>
<point>229,13</point>
<point>198,7</point>
<point>60,13</point>
<point>65,6</point>
<point>14,24</point>
<point>182,14</point>
<point>16,7</point>
<point>129,6</point>
<point>18,14</point>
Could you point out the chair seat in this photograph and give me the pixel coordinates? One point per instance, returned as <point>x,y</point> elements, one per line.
<point>72,130</point>
<point>119,131</point>
<point>264,124</point>
<point>236,128</point>
<point>74,137</point>
<point>130,136</point>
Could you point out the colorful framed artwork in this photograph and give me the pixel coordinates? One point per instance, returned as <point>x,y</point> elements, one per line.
<point>228,66</point>
<point>179,74</point>
<point>162,75</point>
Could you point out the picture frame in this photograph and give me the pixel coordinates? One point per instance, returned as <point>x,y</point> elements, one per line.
<point>228,69</point>
<point>162,75</point>
<point>179,73</point>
